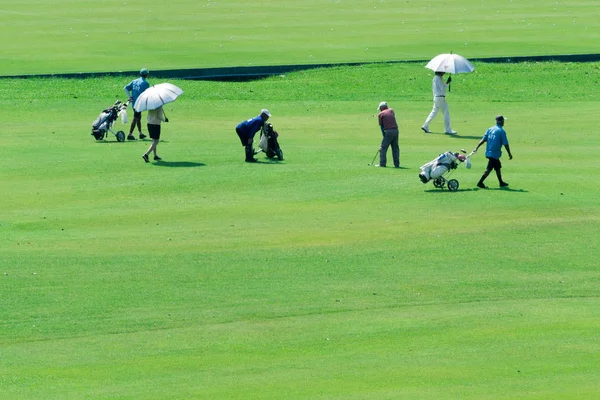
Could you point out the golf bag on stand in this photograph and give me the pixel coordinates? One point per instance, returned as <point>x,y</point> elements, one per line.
<point>106,119</point>
<point>268,142</point>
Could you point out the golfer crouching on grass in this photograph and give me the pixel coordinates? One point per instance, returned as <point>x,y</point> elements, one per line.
<point>247,129</point>
<point>495,137</point>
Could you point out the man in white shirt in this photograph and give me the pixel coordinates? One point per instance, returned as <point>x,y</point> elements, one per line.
<point>439,103</point>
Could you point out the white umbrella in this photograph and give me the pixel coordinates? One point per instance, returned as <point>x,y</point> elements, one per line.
<point>451,63</point>
<point>156,96</point>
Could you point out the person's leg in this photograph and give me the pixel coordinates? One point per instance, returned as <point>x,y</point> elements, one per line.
<point>133,124</point>
<point>154,132</point>
<point>385,143</point>
<point>446,110</point>
<point>137,120</point>
<point>498,169</point>
<point>249,151</point>
<point>487,171</point>
<point>431,116</point>
<point>139,123</point>
<point>142,136</point>
<point>395,150</point>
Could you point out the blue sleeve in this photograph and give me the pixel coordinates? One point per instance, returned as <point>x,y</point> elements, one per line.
<point>129,86</point>
<point>504,138</point>
<point>257,123</point>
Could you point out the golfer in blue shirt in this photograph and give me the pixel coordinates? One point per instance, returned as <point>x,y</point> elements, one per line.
<point>133,91</point>
<point>495,137</point>
<point>247,129</point>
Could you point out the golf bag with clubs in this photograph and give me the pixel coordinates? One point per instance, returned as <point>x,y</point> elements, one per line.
<point>441,167</point>
<point>107,118</point>
<point>268,142</point>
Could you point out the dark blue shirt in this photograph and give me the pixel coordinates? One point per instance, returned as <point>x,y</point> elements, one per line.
<point>249,127</point>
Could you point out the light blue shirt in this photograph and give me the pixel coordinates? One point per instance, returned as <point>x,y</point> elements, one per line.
<point>136,87</point>
<point>495,138</point>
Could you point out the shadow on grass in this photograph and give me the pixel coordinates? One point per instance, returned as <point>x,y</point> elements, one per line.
<point>267,162</point>
<point>178,164</point>
<point>457,136</point>
<point>130,141</point>
<point>505,189</point>
<point>400,167</point>
<point>476,189</point>
<point>447,191</point>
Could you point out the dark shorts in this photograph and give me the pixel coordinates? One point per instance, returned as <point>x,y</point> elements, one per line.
<point>137,115</point>
<point>154,131</point>
<point>494,163</point>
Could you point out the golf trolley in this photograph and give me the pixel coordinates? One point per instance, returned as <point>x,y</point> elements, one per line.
<point>107,118</point>
<point>268,142</point>
<point>439,170</point>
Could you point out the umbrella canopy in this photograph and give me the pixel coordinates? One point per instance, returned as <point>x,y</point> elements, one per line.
<point>156,96</point>
<point>452,63</point>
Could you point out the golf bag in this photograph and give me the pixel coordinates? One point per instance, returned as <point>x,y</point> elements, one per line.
<point>440,168</point>
<point>107,118</point>
<point>268,142</point>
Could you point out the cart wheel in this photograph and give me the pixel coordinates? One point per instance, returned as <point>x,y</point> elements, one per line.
<point>439,182</point>
<point>280,154</point>
<point>453,185</point>
<point>120,136</point>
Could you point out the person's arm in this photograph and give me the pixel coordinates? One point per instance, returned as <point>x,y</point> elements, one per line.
<point>128,93</point>
<point>507,147</point>
<point>380,120</point>
<point>482,141</point>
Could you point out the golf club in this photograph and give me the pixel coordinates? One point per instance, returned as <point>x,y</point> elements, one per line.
<point>371,163</point>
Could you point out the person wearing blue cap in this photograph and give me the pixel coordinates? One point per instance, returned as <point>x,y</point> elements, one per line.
<point>133,91</point>
<point>495,138</point>
<point>247,129</point>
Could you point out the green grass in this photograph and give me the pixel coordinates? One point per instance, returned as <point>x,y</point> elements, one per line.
<point>316,278</point>
<point>85,36</point>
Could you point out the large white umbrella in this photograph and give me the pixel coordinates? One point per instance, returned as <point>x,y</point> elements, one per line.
<point>451,63</point>
<point>156,96</point>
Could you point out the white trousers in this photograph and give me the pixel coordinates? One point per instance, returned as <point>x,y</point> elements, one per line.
<point>439,104</point>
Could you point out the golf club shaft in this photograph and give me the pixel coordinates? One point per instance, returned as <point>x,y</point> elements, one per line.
<point>375,157</point>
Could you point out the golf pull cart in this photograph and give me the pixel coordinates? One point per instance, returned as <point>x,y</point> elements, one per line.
<point>103,124</point>
<point>439,170</point>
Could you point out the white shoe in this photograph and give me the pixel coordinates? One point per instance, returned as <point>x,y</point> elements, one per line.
<point>450,133</point>
<point>426,130</point>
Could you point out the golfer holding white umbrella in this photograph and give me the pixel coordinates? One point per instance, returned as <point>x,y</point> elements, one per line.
<point>442,64</point>
<point>153,99</point>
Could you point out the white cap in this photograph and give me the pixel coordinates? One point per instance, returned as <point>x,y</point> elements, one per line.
<point>266,112</point>
<point>382,104</point>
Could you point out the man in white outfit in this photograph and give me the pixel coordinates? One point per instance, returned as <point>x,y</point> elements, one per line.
<point>439,103</point>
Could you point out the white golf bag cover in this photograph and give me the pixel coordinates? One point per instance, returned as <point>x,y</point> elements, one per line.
<point>437,167</point>
<point>264,142</point>
<point>102,122</point>
<point>123,115</point>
